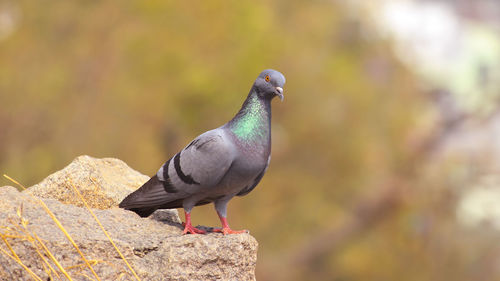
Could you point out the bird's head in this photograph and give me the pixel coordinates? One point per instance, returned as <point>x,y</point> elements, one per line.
<point>270,84</point>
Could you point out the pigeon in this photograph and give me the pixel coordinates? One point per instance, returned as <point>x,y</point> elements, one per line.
<point>217,165</point>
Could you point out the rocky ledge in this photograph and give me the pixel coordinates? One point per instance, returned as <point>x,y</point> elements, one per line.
<point>34,247</point>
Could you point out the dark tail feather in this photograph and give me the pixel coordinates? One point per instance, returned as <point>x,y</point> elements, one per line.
<point>143,212</point>
<point>149,197</point>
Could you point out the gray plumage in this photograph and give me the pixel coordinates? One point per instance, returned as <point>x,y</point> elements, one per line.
<point>218,164</point>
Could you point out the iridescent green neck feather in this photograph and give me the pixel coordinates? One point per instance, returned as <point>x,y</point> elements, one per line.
<point>253,121</point>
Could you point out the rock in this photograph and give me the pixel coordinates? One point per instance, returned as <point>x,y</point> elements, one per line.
<point>102,182</point>
<point>154,246</point>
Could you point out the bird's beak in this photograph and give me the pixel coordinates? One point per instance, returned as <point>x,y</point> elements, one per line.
<point>280,92</point>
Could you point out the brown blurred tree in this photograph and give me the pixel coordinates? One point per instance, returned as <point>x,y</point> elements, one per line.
<point>137,80</point>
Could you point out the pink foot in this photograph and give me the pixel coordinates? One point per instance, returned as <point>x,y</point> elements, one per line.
<point>225,227</point>
<point>192,230</point>
<point>227,230</point>
<point>188,228</point>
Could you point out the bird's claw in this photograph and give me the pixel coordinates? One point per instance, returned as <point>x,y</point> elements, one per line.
<point>191,230</point>
<point>227,230</point>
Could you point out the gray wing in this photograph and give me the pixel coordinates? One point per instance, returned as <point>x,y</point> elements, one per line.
<point>195,169</point>
<point>200,165</point>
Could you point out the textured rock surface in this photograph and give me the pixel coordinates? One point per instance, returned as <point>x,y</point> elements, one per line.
<point>103,182</point>
<point>153,246</point>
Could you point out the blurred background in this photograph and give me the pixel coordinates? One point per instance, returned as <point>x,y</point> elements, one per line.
<point>386,149</point>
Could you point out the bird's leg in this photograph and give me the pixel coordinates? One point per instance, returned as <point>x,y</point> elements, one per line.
<point>225,227</point>
<point>221,208</point>
<point>188,228</point>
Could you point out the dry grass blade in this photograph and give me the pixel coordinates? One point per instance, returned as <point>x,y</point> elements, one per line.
<point>17,259</point>
<point>104,230</point>
<point>68,236</point>
<point>8,246</point>
<point>61,227</point>
<point>46,265</point>
<point>82,265</point>
<point>14,181</point>
<point>52,258</point>
<point>37,248</point>
<point>31,238</point>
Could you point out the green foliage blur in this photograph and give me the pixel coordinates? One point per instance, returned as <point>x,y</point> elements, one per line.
<point>137,80</point>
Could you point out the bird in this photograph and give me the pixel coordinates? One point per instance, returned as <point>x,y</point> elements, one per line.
<point>217,165</point>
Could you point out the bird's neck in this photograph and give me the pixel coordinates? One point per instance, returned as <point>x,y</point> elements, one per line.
<point>253,122</point>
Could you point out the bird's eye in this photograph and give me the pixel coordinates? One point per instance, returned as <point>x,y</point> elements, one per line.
<point>267,78</point>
